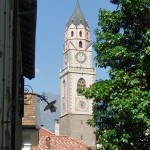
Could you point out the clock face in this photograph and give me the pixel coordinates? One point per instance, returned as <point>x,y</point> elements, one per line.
<point>80,57</point>
<point>81,104</point>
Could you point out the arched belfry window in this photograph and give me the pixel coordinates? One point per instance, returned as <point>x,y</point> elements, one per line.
<point>80,33</point>
<point>72,33</point>
<point>80,84</point>
<point>80,44</point>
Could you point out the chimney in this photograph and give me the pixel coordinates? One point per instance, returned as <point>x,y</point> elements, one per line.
<point>56,126</point>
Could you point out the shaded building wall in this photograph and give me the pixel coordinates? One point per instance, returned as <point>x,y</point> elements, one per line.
<point>6,61</point>
<point>75,126</point>
<point>11,73</point>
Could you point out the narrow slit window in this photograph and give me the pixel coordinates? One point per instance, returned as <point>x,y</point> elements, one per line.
<point>80,44</point>
<point>81,137</point>
<point>64,88</point>
<point>72,33</point>
<point>80,33</point>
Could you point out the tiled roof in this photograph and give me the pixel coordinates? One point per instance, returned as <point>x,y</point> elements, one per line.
<point>49,141</point>
<point>77,17</point>
<point>29,111</point>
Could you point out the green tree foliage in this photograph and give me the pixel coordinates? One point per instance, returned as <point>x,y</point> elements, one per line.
<point>121,108</point>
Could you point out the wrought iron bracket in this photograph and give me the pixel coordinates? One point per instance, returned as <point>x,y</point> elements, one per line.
<point>41,98</point>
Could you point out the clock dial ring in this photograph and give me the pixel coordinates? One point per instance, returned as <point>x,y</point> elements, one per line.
<point>81,104</point>
<point>80,57</point>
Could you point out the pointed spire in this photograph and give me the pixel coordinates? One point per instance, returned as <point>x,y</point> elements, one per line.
<point>77,17</point>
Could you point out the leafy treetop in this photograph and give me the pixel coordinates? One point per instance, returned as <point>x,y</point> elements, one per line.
<point>121,108</point>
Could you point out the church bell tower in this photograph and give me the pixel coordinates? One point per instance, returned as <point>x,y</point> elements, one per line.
<point>77,72</point>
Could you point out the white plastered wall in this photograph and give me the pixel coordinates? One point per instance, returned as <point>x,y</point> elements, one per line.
<point>90,79</point>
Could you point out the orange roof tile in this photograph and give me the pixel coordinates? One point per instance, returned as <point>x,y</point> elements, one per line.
<point>49,141</point>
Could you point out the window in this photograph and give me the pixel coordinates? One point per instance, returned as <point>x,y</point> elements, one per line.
<point>64,87</point>
<point>81,84</point>
<point>72,33</point>
<point>80,33</point>
<point>81,137</point>
<point>27,146</point>
<point>80,44</point>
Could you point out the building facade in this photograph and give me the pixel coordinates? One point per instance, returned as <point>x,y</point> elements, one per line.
<point>17,59</point>
<point>77,73</point>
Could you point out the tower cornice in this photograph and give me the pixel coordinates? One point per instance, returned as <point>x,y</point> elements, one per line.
<point>77,70</point>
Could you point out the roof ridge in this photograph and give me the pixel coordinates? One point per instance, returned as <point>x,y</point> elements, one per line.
<point>47,130</point>
<point>66,137</point>
<point>89,44</point>
<point>59,135</point>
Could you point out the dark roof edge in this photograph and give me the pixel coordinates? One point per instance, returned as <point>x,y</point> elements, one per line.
<point>28,14</point>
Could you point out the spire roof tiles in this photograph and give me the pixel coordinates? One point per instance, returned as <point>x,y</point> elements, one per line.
<point>77,17</point>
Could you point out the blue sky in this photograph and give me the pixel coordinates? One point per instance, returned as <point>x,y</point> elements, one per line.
<point>52,17</point>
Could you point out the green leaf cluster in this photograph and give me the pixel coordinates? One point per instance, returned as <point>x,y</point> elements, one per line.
<point>121,108</point>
